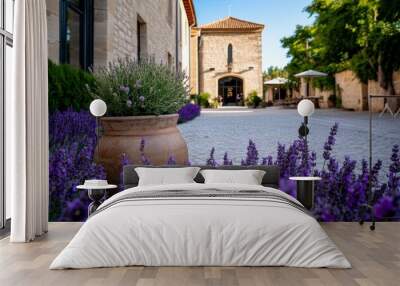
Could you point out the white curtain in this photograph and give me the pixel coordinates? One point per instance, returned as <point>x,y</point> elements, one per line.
<point>26,124</point>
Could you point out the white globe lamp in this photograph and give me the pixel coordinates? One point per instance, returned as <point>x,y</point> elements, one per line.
<point>98,108</point>
<point>305,108</point>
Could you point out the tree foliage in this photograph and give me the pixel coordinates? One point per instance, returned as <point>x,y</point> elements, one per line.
<point>274,72</point>
<point>361,35</point>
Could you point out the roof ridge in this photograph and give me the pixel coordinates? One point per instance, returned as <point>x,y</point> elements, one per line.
<point>230,22</point>
<point>215,21</point>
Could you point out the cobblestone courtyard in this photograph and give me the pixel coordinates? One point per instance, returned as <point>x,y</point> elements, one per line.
<point>230,130</point>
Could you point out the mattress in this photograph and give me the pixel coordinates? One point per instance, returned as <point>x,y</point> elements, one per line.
<point>201,225</point>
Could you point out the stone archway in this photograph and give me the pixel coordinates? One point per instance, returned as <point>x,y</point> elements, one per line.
<point>230,90</point>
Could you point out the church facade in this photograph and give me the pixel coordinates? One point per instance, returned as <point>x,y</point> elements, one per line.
<point>226,60</point>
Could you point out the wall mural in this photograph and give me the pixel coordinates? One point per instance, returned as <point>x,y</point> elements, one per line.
<point>340,195</point>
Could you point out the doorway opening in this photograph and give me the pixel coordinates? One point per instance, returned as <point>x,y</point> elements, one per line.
<point>230,91</point>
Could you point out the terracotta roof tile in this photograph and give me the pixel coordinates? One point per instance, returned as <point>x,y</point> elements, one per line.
<point>231,23</point>
<point>190,11</point>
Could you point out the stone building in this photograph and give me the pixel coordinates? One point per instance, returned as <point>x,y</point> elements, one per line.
<point>352,91</point>
<point>378,104</point>
<point>92,33</point>
<point>226,60</point>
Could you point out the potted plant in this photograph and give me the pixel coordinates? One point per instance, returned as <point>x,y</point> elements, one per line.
<point>253,100</point>
<point>142,99</point>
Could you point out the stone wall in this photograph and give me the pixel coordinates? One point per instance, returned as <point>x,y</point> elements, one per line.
<point>247,52</point>
<point>324,95</point>
<point>375,89</point>
<point>194,65</point>
<point>323,102</point>
<point>122,17</point>
<point>115,30</point>
<point>268,94</point>
<point>184,40</point>
<point>354,94</point>
<point>100,32</point>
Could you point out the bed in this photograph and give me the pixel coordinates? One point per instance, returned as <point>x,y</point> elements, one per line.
<point>198,224</point>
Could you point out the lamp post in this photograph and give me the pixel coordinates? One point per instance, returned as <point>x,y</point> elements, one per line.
<point>97,108</point>
<point>305,184</point>
<point>305,108</point>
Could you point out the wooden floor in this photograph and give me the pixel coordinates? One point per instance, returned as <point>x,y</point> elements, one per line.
<point>375,257</point>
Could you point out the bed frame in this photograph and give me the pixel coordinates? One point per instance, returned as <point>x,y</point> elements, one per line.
<point>271,177</point>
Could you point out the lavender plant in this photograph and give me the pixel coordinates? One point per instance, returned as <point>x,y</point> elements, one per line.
<point>340,196</point>
<point>388,201</point>
<point>226,160</point>
<point>134,88</point>
<point>211,160</point>
<point>188,112</point>
<point>71,160</point>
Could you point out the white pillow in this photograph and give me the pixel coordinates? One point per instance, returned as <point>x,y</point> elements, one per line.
<point>166,176</point>
<point>248,177</point>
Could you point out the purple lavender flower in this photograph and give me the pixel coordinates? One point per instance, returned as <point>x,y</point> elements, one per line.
<point>384,207</point>
<point>188,112</point>
<point>394,170</point>
<point>141,98</point>
<point>211,160</point>
<point>143,158</point>
<point>171,160</point>
<point>268,161</point>
<point>142,145</point>
<point>252,154</point>
<point>330,142</point>
<point>340,195</point>
<point>72,140</point>
<point>75,210</point>
<point>227,161</point>
<point>124,88</point>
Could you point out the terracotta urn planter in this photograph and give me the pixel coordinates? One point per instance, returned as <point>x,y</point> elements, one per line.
<point>124,135</point>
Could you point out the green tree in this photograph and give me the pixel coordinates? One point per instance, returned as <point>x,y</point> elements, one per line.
<point>274,72</point>
<point>361,35</point>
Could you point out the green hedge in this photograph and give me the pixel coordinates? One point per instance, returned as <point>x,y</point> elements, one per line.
<point>69,88</point>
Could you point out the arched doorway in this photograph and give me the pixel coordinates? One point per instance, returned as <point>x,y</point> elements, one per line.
<point>230,91</point>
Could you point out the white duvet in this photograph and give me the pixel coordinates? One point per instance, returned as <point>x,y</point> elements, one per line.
<point>200,232</point>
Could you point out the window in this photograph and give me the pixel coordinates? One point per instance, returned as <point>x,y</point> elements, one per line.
<point>141,39</point>
<point>76,33</point>
<point>230,55</point>
<point>6,61</point>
